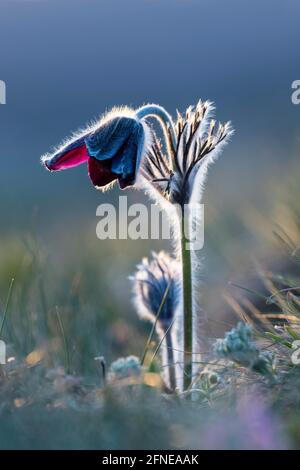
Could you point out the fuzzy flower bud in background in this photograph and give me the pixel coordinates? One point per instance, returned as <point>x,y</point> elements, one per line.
<point>238,346</point>
<point>157,298</point>
<point>150,283</point>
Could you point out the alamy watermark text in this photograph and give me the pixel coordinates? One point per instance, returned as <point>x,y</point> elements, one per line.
<point>141,222</point>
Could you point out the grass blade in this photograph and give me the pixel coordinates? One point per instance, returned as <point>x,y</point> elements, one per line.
<point>6,306</point>
<point>163,301</point>
<point>66,348</point>
<point>160,343</point>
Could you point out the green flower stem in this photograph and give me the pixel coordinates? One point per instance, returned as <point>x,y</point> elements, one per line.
<point>187,304</point>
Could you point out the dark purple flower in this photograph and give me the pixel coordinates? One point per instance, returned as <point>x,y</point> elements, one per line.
<point>112,148</point>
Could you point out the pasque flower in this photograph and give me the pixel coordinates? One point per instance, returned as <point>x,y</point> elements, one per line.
<point>113,146</point>
<point>122,146</point>
<point>150,282</point>
<point>177,173</point>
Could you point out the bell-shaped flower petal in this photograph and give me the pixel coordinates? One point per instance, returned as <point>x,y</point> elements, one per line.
<point>100,172</point>
<point>119,142</point>
<point>72,154</point>
<point>112,147</point>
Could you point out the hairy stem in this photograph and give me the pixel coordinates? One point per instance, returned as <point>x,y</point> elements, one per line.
<point>187,302</point>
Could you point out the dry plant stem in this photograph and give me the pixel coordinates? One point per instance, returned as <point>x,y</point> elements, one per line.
<point>187,305</point>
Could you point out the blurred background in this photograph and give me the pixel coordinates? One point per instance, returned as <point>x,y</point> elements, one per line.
<point>66,62</point>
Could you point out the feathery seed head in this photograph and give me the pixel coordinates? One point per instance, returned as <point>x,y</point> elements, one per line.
<point>198,140</point>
